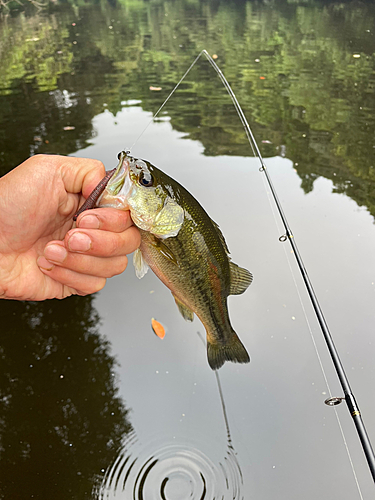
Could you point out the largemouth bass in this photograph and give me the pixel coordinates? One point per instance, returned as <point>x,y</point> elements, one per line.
<point>184,247</point>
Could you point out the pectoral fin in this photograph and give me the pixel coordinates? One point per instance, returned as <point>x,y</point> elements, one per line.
<point>139,263</point>
<point>185,311</point>
<point>240,279</point>
<point>162,248</point>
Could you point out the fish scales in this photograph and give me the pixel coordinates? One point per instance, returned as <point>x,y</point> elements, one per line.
<point>190,279</point>
<point>184,248</point>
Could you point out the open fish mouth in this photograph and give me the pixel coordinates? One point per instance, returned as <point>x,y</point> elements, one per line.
<point>119,187</point>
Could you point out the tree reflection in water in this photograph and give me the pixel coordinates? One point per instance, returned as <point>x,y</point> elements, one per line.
<point>303,72</point>
<point>61,420</point>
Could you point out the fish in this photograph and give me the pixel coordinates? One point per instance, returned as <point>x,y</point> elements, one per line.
<point>184,247</point>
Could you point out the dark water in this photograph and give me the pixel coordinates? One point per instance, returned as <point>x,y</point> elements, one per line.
<point>92,404</point>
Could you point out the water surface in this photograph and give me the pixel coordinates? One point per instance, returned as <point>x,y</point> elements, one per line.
<point>94,405</point>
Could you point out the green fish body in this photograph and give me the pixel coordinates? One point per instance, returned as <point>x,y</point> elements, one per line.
<point>184,248</point>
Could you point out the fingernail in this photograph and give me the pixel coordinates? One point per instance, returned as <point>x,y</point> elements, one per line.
<point>79,242</point>
<point>89,222</point>
<point>44,264</point>
<point>55,253</point>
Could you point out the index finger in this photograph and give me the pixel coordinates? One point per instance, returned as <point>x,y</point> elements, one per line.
<point>107,219</point>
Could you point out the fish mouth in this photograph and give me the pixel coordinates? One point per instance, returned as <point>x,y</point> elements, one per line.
<point>119,186</point>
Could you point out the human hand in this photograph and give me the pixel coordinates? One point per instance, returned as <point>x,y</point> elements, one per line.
<point>42,254</point>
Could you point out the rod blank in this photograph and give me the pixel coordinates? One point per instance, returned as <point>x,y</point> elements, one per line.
<point>349,397</point>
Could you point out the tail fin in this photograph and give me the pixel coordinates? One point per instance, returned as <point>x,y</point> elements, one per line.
<point>233,350</point>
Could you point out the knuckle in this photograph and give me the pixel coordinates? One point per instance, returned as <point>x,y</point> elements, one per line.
<point>113,246</point>
<point>97,163</point>
<point>95,286</point>
<point>113,219</point>
<point>119,267</point>
<point>100,284</point>
<point>137,236</point>
<point>131,239</point>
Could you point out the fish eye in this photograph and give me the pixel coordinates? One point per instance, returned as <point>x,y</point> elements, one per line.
<point>146,179</point>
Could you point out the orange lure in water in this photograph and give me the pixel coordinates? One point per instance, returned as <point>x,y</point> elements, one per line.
<point>158,328</point>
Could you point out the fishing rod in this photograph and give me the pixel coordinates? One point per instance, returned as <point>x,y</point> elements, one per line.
<point>348,394</point>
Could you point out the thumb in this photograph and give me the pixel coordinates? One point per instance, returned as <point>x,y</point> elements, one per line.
<point>81,175</point>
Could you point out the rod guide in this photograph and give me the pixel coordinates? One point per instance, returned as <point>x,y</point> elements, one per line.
<point>333,401</point>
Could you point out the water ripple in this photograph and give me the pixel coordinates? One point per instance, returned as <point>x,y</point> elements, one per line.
<point>169,471</point>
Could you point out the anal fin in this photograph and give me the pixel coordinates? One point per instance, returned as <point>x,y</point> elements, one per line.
<point>185,311</point>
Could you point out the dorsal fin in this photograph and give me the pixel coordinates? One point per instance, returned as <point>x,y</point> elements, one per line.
<point>240,278</point>
<point>221,236</point>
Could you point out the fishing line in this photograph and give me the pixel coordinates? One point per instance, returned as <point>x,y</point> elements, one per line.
<point>348,395</point>
<point>298,294</point>
<point>231,451</point>
<point>165,102</point>
<point>324,375</point>
<point>229,437</point>
<point>314,344</point>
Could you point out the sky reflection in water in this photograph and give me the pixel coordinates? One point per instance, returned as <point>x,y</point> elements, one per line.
<point>276,403</point>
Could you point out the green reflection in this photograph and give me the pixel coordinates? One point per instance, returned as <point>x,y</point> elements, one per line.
<point>61,420</point>
<point>303,72</point>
